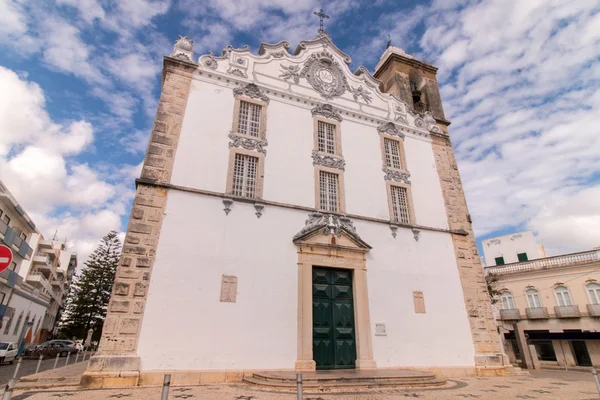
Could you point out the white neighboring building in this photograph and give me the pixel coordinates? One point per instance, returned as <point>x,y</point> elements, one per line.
<point>508,249</point>
<point>33,289</point>
<point>290,215</point>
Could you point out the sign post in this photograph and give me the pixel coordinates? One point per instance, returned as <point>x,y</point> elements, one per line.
<point>6,257</point>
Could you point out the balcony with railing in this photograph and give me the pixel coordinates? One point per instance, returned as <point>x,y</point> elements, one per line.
<point>593,310</point>
<point>565,260</point>
<point>537,313</point>
<point>510,315</point>
<point>567,311</point>
<point>40,281</point>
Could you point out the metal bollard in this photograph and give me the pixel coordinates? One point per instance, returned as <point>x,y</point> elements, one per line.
<point>595,373</point>
<point>17,368</point>
<point>67,361</point>
<point>8,391</point>
<point>165,390</point>
<point>37,369</point>
<point>299,385</point>
<point>76,357</point>
<point>56,362</point>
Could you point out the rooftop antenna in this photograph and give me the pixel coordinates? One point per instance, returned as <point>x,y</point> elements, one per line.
<point>389,42</point>
<point>321,14</point>
<point>55,233</point>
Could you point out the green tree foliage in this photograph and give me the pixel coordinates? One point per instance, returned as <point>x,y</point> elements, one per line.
<point>90,292</point>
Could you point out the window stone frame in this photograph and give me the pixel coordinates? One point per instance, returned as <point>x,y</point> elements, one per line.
<point>341,189</point>
<point>411,213</point>
<point>262,132</point>
<point>401,151</point>
<point>260,172</point>
<point>338,136</point>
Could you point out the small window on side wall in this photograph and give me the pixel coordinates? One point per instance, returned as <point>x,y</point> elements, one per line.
<point>522,257</point>
<point>499,260</point>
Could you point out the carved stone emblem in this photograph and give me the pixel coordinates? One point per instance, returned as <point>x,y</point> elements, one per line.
<point>362,93</point>
<point>327,111</point>
<point>290,72</point>
<point>328,161</point>
<point>391,129</point>
<point>324,74</point>
<point>330,223</point>
<point>247,143</point>
<point>395,175</point>
<point>430,123</point>
<point>251,90</point>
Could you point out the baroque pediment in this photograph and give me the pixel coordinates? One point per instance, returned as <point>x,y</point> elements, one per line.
<point>320,227</point>
<point>317,70</point>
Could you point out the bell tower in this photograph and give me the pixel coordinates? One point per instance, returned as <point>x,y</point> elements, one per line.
<point>414,82</point>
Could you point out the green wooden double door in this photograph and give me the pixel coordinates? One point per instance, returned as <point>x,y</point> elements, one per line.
<point>334,338</point>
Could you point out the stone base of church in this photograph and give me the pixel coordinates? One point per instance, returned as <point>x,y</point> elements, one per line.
<point>112,371</point>
<point>128,378</point>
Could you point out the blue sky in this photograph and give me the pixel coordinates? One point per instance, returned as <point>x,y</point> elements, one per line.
<point>520,81</point>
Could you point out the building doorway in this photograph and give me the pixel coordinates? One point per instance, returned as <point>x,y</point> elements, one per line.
<point>582,356</point>
<point>334,335</point>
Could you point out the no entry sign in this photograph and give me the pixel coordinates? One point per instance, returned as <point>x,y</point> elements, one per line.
<point>6,257</point>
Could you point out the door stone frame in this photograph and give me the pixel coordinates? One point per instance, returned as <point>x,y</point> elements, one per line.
<point>311,254</point>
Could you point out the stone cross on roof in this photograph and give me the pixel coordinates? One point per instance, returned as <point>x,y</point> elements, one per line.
<point>321,14</point>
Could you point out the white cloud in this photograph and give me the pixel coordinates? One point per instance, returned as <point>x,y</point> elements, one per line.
<point>65,50</point>
<point>89,9</point>
<point>517,90</point>
<point>81,202</point>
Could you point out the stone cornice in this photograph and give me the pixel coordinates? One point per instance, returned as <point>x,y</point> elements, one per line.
<point>145,182</point>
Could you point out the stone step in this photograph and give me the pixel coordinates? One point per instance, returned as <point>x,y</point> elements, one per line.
<point>345,379</point>
<point>341,384</point>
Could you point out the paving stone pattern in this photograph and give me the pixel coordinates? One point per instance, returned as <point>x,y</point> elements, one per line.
<point>574,386</point>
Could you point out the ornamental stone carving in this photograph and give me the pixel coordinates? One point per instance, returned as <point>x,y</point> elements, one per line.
<point>183,49</point>
<point>251,90</point>
<point>328,160</point>
<point>419,123</point>
<point>247,143</point>
<point>330,224</point>
<point>324,74</point>
<point>395,175</point>
<point>362,93</point>
<point>327,111</point>
<point>391,129</point>
<point>290,72</point>
<point>430,123</point>
<point>210,61</point>
<point>237,72</point>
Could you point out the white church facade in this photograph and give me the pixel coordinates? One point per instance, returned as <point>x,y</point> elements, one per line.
<point>294,215</point>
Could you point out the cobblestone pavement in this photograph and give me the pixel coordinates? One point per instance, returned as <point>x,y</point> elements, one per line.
<point>544,385</point>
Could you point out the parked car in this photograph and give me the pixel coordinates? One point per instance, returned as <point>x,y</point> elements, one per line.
<point>63,341</point>
<point>8,352</point>
<point>57,347</point>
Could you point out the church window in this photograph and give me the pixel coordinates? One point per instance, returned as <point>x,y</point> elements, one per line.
<point>399,197</point>
<point>499,260</point>
<point>249,119</point>
<point>326,137</point>
<point>244,175</point>
<point>522,257</point>
<point>328,191</point>
<point>392,153</point>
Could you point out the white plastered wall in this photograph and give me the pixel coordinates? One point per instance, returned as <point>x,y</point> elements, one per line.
<point>203,154</point>
<point>199,244</point>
